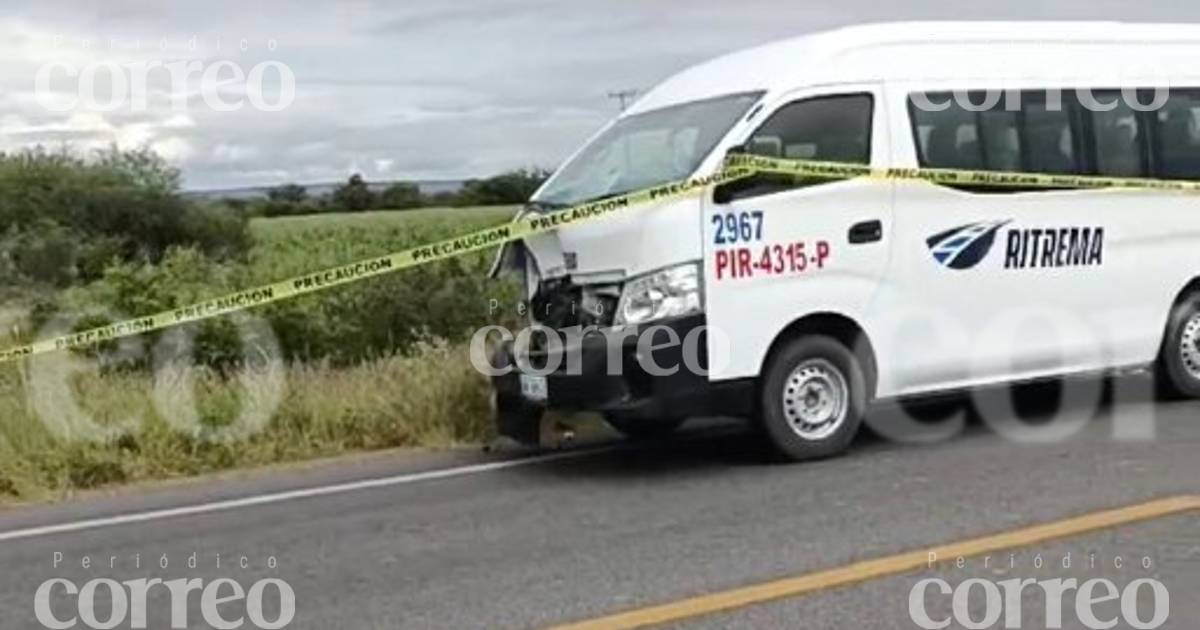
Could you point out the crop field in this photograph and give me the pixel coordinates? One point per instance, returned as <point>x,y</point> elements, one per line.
<point>286,246</point>
<point>448,220</point>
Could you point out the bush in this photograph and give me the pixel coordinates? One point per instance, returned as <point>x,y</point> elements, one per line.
<point>282,201</point>
<point>128,289</point>
<point>509,188</point>
<point>354,195</point>
<point>401,196</point>
<point>215,230</point>
<point>288,193</point>
<point>392,313</point>
<point>273,208</point>
<point>46,254</point>
<point>67,216</point>
<point>97,254</point>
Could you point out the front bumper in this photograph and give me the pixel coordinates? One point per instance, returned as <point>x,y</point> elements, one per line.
<point>611,374</point>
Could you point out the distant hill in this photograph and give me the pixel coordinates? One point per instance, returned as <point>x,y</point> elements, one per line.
<point>428,187</point>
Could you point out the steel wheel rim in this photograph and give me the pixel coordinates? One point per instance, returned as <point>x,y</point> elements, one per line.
<point>1189,346</point>
<point>816,398</point>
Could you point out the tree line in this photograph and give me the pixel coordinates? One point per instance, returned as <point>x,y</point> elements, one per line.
<point>356,195</point>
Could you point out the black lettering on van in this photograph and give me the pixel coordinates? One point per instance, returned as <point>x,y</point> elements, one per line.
<point>1097,252</point>
<point>1048,248</point>
<point>1012,253</point>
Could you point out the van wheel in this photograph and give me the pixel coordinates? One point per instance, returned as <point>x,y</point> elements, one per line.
<point>1179,360</point>
<point>642,429</point>
<point>813,398</point>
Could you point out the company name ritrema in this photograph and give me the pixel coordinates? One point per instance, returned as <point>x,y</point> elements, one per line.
<point>1054,247</point>
<point>224,603</point>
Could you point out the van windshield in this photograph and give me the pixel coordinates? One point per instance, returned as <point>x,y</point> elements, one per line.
<point>646,150</point>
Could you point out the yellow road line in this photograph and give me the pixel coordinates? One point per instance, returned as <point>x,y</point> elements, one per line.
<point>884,567</point>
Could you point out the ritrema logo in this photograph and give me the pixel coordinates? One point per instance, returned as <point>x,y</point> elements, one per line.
<point>965,246</point>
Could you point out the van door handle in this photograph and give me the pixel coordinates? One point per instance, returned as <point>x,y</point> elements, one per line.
<point>866,232</point>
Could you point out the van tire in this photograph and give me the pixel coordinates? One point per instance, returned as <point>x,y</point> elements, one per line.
<point>812,398</point>
<point>1178,373</point>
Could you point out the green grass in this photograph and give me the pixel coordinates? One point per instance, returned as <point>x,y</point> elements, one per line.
<point>431,398</point>
<point>428,397</point>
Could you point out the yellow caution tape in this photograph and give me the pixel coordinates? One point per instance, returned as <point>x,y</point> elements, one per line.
<point>736,167</point>
<point>951,177</point>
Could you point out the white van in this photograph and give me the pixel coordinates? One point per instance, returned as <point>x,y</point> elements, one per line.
<point>812,299</point>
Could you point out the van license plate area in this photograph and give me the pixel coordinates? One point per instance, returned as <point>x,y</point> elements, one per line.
<point>534,388</point>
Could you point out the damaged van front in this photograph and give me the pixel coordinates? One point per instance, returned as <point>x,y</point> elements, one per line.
<point>617,306</point>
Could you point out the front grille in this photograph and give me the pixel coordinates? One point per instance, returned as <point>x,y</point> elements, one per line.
<point>559,304</point>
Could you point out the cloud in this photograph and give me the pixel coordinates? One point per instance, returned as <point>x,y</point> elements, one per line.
<point>234,153</point>
<point>172,148</point>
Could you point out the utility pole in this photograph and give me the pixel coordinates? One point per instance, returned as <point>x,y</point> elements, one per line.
<point>623,96</point>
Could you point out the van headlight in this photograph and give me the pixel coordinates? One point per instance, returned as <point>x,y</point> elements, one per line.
<point>671,292</point>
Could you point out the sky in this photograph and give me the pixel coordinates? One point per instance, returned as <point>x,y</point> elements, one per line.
<point>392,90</point>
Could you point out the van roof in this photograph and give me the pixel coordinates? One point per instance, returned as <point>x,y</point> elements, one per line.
<point>939,50</point>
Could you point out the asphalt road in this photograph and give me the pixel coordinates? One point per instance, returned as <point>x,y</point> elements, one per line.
<point>583,536</point>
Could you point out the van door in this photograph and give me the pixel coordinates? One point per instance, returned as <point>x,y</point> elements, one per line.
<point>994,284</point>
<point>777,250</point>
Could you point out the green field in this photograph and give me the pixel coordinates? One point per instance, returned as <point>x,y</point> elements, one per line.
<point>288,246</point>
<point>423,393</point>
<point>449,219</point>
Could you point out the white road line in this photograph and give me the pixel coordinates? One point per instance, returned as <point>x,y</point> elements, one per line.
<point>291,495</point>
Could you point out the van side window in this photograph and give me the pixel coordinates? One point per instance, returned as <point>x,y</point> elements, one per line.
<point>825,128</point>
<point>1119,139</point>
<point>1177,154</point>
<point>828,129</point>
<point>1000,140</point>
<point>1032,135</point>
<point>1050,137</point>
<point>949,138</point>
<point>956,137</point>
